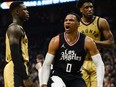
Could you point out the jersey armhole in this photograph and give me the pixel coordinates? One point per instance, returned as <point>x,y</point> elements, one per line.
<point>100,30</point>
<point>58,40</point>
<point>85,44</point>
<point>98,24</point>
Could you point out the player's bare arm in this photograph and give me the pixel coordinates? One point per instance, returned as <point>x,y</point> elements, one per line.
<point>53,45</point>
<point>90,46</point>
<point>96,57</point>
<point>108,36</point>
<point>14,33</point>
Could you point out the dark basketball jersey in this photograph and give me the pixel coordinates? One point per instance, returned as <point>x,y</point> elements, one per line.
<point>69,57</point>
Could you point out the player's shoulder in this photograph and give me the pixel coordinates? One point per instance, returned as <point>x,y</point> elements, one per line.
<point>54,43</point>
<point>101,19</point>
<point>55,39</point>
<point>14,29</point>
<point>103,22</point>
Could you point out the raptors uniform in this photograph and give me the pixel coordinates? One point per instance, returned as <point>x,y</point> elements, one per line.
<point>68,61</point>
<point>89,70</point>
<point>9,71</point>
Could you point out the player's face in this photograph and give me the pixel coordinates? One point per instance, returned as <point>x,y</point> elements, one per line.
<point>70,23</point>
<point>23,12</point>
<point>87,9</point>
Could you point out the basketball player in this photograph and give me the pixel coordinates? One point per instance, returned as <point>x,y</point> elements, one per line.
<point>16,71</point>
<point>96,28</point>
<point>67,53</point>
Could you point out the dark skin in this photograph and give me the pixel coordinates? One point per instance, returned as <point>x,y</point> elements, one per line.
<point>87,11</point>
<point>15,32</point>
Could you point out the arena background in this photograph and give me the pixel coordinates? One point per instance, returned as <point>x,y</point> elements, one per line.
<point>47,21</point>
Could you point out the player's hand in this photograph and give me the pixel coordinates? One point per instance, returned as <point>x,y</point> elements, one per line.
<point>28,83</point>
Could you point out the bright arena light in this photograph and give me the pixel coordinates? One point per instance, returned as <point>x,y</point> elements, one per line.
<point>5,5</point>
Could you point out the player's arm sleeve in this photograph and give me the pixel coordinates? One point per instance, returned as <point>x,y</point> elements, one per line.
<point>99,68</point>
<point>39,75</point>
<point>17,59</point>
<point>46,68</point>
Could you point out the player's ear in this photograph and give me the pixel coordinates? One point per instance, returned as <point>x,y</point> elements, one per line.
<point>17,11</point>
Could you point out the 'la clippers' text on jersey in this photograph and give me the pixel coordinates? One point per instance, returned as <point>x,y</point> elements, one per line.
<point>70,57</point>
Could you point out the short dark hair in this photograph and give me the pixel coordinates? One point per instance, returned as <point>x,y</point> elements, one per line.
<point>15,5</point>
<point>77,16</point>
<point>80,3</point>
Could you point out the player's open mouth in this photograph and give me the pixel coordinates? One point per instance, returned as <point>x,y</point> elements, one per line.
<point>67,27</point>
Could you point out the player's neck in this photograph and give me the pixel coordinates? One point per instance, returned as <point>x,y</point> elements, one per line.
<point>17,21</point>
<point>71,38</point>
<point>87,20</point>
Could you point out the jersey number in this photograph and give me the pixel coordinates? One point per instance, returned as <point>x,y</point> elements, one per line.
<point>68,67</point>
